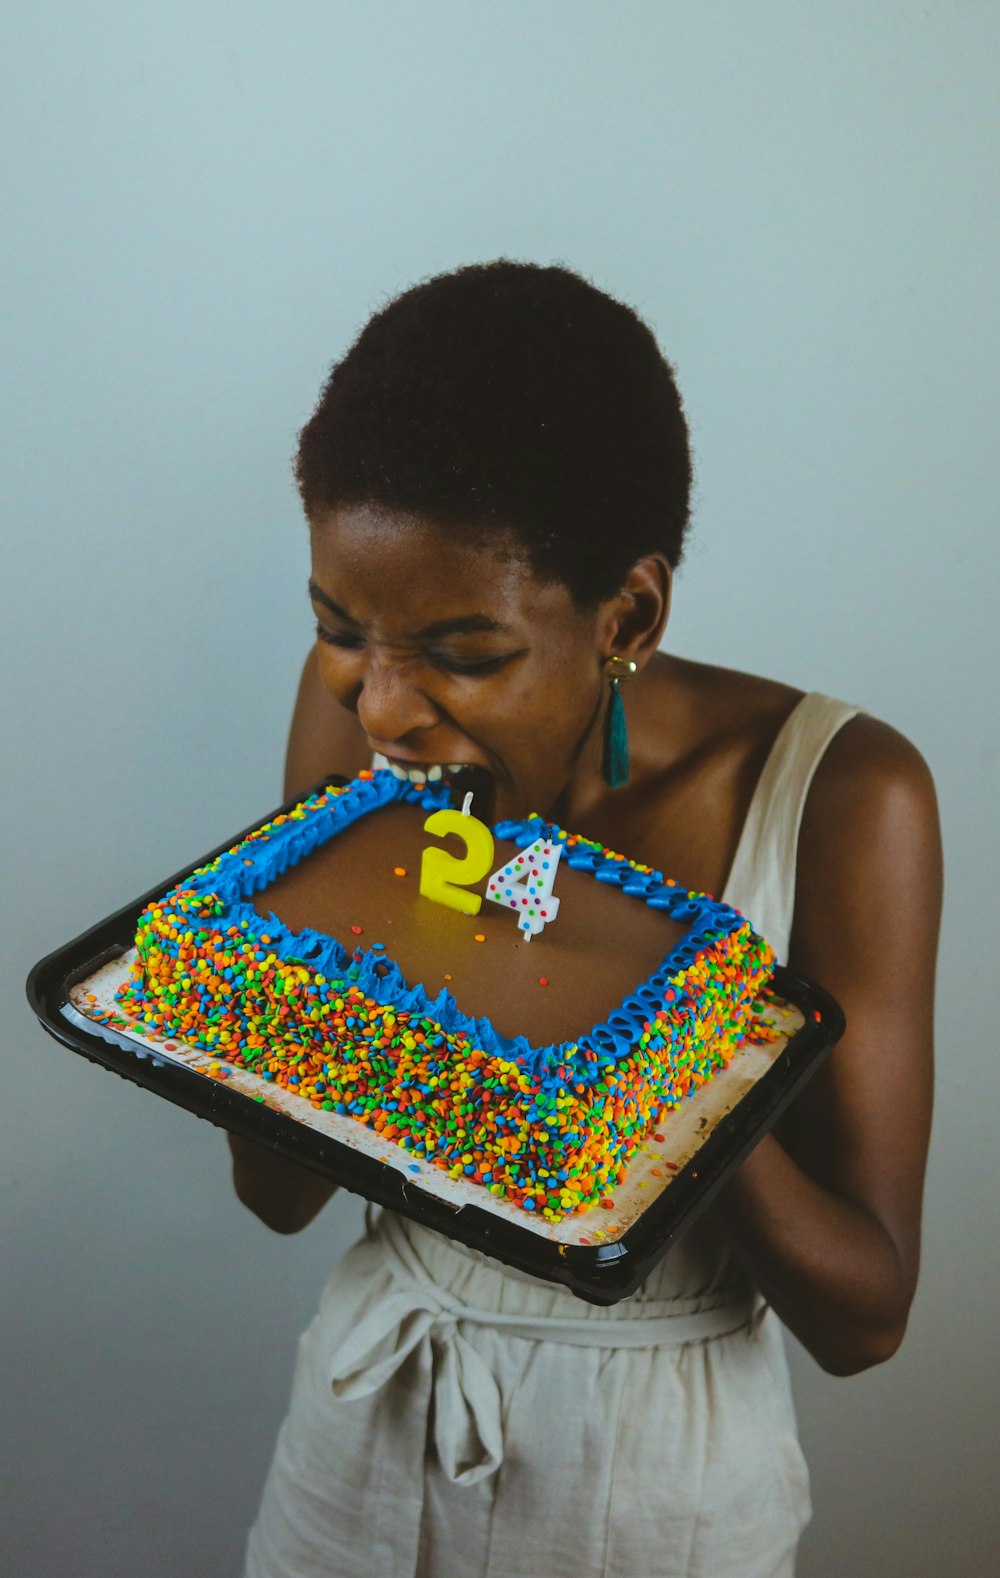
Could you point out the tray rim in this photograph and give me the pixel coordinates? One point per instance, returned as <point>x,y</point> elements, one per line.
<point>600,1273</point>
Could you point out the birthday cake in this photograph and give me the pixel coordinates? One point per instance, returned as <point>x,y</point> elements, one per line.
<point>529,1052</point>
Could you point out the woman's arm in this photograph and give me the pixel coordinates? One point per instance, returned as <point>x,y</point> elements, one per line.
<point>323,739</point>
<point>284,1195</point>
<point>829,1227</point>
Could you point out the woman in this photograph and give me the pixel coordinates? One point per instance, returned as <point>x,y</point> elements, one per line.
<point>497,481</point>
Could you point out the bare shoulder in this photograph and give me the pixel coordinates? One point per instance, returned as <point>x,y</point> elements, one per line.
<point>324,737</point>
<point>872,754</point>
<point>710,703</point>
<point>868,891</point>
<point>872,806</point>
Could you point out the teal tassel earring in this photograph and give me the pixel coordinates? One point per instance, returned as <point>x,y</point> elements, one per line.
<point>614,764</point>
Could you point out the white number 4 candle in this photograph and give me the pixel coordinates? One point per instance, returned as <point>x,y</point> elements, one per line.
<point>525,883</point>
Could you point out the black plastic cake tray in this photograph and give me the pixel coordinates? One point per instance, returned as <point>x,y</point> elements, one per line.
<point>600,1255</point>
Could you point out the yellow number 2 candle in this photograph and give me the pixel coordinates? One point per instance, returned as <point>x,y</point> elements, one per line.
<point>445,877</point>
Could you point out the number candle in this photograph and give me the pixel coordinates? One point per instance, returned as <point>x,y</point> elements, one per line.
<point>524,884</point>
<point>444,877</point>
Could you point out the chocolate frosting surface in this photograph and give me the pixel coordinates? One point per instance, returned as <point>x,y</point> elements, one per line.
<point>600,948</point>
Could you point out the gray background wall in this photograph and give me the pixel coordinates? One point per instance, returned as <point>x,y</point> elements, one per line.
<point>201,205</point>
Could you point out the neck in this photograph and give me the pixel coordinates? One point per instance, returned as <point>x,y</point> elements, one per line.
<point>585,792</point>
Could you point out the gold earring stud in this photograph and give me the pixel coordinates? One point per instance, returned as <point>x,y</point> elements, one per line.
<point>619,668</point>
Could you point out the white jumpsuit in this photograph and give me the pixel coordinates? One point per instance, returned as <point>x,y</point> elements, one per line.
<point>454,1418</point>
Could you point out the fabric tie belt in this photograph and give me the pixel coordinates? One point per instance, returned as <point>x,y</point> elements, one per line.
<point>467,1404</point>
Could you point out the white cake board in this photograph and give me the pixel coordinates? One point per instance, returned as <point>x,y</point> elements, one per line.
<point>675,1140</point>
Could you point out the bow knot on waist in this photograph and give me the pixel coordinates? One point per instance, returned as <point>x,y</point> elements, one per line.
<point>467,1404</point>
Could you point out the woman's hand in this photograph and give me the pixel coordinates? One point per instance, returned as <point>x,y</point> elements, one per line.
<point>827,1221</point>
<point>284,1195</point>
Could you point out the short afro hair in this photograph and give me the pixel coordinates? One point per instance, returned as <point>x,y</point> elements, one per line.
<point>514,398</point>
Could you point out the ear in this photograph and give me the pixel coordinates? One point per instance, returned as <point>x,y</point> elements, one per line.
<point>633,621</point>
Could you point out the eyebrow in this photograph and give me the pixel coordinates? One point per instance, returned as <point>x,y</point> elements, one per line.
<point>462,625</point>
<point>319,596</point>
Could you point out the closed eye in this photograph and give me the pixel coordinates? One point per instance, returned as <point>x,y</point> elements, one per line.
<point>339,638</point>
<point>349,641</point>
<point>473,666</point>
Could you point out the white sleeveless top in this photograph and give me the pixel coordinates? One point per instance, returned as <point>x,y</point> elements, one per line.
<point>761,881</point>
<point>454,1418</point>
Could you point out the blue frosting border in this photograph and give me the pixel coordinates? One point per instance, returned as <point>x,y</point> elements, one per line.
<point>252,866</point>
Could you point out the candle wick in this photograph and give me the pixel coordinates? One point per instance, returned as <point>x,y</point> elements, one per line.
<point>467,804</point>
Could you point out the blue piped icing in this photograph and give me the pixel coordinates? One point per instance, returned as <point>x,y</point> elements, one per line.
<point>251,867</point>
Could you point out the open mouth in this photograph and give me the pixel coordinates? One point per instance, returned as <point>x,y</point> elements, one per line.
<point>461,778</point>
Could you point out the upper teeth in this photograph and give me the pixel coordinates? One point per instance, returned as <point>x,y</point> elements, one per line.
<point>421,775</point>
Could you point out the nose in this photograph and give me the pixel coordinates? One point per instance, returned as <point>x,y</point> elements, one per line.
<point>390,705</point>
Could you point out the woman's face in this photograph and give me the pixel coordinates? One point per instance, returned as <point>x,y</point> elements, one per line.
<point>451,653</point>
